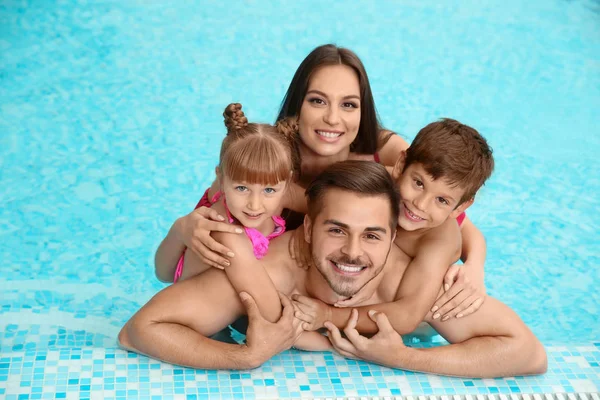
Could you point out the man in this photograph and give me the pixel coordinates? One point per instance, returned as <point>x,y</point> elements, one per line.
<point>352,220</point>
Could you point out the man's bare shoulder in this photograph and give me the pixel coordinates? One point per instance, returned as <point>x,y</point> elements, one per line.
<point>392,274</point>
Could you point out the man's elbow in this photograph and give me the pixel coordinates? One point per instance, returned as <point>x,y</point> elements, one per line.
<point>123,338</point>
<point>538,360</point>
<point>532,354</point>
<point>126,338</point>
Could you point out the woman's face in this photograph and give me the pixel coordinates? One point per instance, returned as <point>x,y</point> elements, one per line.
<point>330,113</point>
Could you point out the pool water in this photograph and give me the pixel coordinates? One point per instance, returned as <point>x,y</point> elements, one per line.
<point>110,126</point>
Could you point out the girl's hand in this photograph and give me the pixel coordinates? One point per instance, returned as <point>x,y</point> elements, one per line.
<point>300,250</point>
<point>194,231</point>
<point>313,312</point>
<point>461,296</point>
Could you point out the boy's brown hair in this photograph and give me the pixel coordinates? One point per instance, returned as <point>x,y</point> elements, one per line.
<point>454,152</point>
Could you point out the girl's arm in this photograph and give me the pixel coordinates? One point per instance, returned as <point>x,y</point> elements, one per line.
<point>247,274</point>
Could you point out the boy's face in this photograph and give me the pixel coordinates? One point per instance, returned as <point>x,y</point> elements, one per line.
<point>426,203</point>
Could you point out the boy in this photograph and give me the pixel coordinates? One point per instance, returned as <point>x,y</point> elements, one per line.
<point>438,177</point>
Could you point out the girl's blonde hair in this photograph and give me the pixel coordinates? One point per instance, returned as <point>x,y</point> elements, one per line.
<point>258,153</point>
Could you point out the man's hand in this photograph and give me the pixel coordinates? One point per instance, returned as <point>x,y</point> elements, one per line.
<point>380,349</point>
<point>311,311</point>
<point>461,296</point>
<point>300,250</point>
<point>265,339</point>
<point>194,231</point>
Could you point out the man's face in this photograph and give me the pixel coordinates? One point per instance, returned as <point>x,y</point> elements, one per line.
<point>350,239</point>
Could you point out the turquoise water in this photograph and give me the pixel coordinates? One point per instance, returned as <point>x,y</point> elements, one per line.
<point>110,125</point>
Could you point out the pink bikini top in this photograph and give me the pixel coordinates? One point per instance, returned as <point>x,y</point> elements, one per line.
<point>260,242</point>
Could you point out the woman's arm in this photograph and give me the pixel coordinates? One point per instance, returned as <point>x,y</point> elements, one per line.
<point>390,149</point>
<point>193,231</point>
<point>168,253</point>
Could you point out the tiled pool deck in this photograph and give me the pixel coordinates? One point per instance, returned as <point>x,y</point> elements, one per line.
<point>77,366</point>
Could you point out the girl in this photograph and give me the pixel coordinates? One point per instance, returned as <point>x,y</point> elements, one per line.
<point>256,165</point>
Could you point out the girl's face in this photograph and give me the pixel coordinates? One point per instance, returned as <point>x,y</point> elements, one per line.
<point>330,113</point>
<point>253,205</point>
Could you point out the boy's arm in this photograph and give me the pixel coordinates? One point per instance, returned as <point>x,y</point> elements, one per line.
<point>473,251</point>
<point>247,274</point>
<point>416,293</point>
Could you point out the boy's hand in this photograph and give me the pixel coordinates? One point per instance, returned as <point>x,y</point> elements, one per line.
<point>461,296</point>
<point>380,348</point>
<point>194,231</point>
<point>300,250</point>
<point>311,311</point>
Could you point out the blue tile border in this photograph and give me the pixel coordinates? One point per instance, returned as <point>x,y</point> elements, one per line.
<point>82,372</point>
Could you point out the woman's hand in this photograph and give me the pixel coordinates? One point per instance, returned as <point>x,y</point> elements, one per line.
<point>194,231</point>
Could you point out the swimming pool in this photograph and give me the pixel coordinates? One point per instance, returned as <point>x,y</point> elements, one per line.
<point>111,111</point>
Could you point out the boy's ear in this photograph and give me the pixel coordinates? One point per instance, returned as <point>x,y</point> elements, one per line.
<point>307,228</point>
<point>460,209</point>
<point>399,166</point>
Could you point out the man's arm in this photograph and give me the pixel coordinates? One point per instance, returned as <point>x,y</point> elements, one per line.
<point>492,343</point>
<point>175,325</point>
